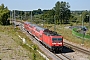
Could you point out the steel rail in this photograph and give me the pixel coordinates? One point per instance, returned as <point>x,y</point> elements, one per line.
<point>77,48</point>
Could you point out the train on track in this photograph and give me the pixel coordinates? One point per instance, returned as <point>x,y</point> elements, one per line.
<point>49,38</point>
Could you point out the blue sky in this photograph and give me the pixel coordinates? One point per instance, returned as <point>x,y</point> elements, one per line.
<point>44,4</point>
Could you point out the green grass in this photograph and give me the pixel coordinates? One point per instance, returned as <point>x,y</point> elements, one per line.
<point>14,32</point>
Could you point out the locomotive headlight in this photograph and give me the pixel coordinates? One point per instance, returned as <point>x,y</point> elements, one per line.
<point>56,43</point>
<point>53,43</point>
<point>59,43</point>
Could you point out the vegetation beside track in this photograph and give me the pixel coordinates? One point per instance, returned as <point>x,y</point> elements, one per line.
<point>13,33</point>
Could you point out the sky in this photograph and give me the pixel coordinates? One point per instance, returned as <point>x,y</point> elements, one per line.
<point>29,5</point>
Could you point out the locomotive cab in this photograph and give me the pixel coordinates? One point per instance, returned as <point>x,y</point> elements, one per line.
<point>57,43</point>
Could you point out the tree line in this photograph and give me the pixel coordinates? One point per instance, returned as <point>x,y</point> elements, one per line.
<point>58,14</point>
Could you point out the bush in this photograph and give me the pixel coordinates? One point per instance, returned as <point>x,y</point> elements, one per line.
<point>4,13</point>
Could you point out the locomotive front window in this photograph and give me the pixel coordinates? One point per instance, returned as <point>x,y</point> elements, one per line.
<point>60,39</point>
<point>54,40</point>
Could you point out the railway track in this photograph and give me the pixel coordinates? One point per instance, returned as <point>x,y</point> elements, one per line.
<point>77,48</point>
<point>63,56</point>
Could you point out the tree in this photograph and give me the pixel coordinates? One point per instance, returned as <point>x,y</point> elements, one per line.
<point>62,12</point>
<point>4,13</point>
<point>57,10</point>
<point>48,15</point>
<point>52,14</point>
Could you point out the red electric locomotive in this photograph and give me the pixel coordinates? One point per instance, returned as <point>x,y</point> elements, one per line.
<point>52,40</point>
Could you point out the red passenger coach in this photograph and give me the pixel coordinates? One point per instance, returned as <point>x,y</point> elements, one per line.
<point>30,27</point>
<point>33,29</point>
<point>26,25</point>
<point>38,32</point>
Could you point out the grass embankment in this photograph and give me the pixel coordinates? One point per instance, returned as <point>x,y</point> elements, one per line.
<point>13,33</point>
<point>67,34</point>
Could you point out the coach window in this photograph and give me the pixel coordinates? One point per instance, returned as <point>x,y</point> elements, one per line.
<point>38,30</point>
<point>40,35</point>
<point>30,26</point>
